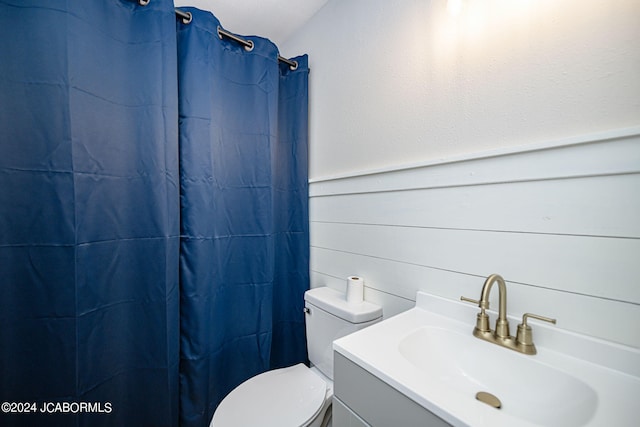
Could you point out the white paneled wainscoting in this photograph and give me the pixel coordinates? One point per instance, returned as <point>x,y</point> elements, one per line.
<point>559,221</point>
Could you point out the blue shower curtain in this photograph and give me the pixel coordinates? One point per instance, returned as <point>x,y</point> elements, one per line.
<point>89,213</point>
<point>154,244</point>
<point>244,254</point>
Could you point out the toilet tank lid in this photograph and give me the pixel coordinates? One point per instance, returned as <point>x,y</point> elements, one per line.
<point>334,302</point>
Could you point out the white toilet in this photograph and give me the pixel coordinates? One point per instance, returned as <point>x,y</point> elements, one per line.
<point>298,396</point>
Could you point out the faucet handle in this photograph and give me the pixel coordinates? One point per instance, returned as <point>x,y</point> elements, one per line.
<point>472,301</point>
<point>524,336</point>
<point>536,316</point>
<point>482,319</point>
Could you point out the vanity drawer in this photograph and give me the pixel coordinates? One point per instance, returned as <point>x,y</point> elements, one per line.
<point>374,401</point>
<point>345,417</point>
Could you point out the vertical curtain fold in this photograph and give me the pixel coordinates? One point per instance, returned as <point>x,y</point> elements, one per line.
<point>291,216</point>
<point>89,231</point>
<point>244,254</point>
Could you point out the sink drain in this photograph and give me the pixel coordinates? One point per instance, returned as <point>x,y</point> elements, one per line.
<point>489,399</point>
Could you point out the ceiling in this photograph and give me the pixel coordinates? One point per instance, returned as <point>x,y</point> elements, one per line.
<point>273,19</point>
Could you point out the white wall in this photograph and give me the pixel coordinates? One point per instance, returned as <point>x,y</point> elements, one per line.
<point>394,82</point>
<point>559,221</point>
<point>522,117</point>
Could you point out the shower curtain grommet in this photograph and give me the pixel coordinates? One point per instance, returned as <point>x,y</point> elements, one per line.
<point>250,47</point>
<point>187,21</point>
<point>143,2</point>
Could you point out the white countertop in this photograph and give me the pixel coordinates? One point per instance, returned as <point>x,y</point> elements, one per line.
<point>611,370</point>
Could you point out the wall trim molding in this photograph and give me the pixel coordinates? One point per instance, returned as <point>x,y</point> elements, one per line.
<point>615,152</point>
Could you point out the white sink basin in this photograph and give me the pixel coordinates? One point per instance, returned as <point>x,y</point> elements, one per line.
<point>430,355</point>
<point>527,389</point>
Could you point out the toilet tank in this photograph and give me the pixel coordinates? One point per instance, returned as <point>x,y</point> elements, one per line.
<point>329,317</point>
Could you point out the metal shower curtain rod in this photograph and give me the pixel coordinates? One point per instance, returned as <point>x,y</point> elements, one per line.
<point>248,44</point>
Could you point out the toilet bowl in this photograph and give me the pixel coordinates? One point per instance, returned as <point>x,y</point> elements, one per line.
<point>299,396</point>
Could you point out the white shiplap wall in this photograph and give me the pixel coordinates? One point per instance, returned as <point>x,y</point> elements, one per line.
<point>559,221</point>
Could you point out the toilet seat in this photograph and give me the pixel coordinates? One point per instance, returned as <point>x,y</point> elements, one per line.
<point>282,397</point>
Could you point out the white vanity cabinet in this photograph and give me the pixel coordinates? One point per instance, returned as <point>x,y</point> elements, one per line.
<point>363,400</point>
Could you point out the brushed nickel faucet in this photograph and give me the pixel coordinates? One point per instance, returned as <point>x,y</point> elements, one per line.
<point>523,341</point>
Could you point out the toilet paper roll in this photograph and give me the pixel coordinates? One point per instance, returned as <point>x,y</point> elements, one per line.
<point>355,290</point>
